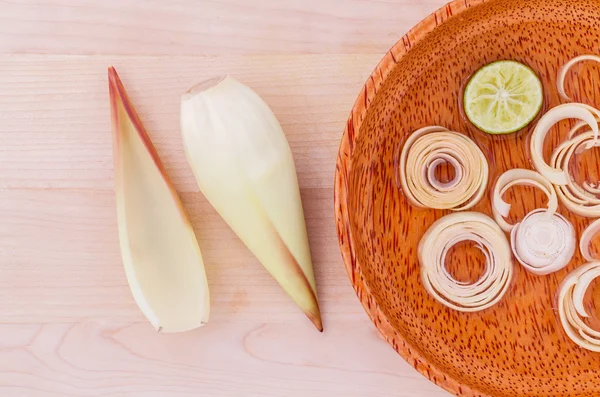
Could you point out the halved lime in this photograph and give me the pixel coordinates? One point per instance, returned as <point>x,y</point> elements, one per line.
<point>503,97</point>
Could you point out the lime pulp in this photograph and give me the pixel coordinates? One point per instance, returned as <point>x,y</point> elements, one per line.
<point>503,97</point>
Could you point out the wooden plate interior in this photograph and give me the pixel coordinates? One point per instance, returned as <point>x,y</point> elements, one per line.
<point>517,347</point>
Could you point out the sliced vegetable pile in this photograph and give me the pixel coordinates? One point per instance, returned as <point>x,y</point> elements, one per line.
<point>429,147</point>
<point>571,309</point>
<point>500,98</point>
<point>450,230</point>
<point>543,243</point>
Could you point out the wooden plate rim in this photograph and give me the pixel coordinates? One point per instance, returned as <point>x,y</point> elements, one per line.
<point>343,165</point>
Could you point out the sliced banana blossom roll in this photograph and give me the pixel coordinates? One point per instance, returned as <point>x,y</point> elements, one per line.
<point>543,242</point>
<point>571,308</point>
<point>243,165</point>
<point>514,177</point>
<point>162,260</point>
<point>430,147</point>
<point>451,230</point>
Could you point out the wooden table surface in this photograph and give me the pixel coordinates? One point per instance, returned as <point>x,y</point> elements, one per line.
<point>68,323</point>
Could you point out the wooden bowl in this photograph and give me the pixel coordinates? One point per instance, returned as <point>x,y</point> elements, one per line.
<point>518,347</point>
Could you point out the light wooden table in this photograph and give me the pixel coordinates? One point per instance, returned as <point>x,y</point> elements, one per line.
<point>68,323</point>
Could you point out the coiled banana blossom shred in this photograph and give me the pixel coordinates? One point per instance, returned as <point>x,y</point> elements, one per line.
<point>583,200</point>
<point>571,309</point>
<point>429,147</point>
<point>514,177</point>
<point>450,230</point>
<point>543,243</point>
<point>587,114</point>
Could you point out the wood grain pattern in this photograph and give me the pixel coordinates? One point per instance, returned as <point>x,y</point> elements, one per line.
<point>309,93</point>
<point>244,359</point>
<point>222,27</point>
<point>517,347</point>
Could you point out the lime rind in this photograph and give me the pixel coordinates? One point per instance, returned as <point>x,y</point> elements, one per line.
<point>503,97</point>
